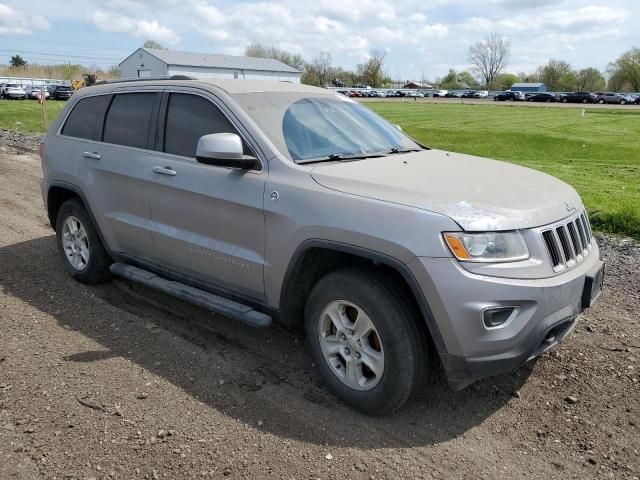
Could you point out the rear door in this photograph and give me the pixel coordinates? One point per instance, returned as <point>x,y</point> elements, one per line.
<point>113,158</point>
<point>208,221</point>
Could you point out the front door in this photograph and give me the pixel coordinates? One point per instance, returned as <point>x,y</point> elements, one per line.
<point>207,221</point>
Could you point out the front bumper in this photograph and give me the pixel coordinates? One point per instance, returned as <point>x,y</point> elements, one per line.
<point>546,312</point>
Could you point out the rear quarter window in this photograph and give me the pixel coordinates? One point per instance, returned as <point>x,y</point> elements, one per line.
<point>86,117</point>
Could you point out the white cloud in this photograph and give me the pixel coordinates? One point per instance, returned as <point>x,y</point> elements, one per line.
<point>477,24</point>
<point>151,30</point>
<point>13,22</point>
<point>419,36</point>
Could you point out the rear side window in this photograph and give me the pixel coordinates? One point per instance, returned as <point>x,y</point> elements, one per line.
<point>189,117</point>
<point>128,119</point>
<point>86,117</point>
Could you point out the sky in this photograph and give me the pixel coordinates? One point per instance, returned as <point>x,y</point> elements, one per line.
<point>422,39</point>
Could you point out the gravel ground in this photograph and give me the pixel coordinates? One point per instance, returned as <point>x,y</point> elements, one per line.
<point>119,382</point>
<point>18,141</point>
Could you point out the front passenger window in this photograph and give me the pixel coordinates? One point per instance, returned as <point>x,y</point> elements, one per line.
<point>189,117</point>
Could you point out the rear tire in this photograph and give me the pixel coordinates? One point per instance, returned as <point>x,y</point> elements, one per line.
<point>343,305</point>
<point>79,245</point>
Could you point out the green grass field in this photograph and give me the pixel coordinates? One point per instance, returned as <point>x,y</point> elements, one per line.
<point>26,115</point>
<point>598,154</point>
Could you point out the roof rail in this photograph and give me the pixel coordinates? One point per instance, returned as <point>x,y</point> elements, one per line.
<point>139,79</point>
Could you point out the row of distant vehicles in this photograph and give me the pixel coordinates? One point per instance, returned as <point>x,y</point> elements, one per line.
<point>370,92</point>
<point>15,91</point>
<point>573,97</point>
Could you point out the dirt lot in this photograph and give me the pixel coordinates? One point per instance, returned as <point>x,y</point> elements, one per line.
<point>117,382</point>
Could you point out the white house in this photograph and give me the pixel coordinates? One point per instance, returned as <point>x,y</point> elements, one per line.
<point>151,62</point>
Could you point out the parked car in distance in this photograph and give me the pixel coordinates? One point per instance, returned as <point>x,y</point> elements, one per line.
<point>34,92</point>
<point>504,96</point>
<point>60,92</point>
<point>509,95</point>
<point>392,257</point>
<point>13,91</point>
<point>541,97</point>
<point>611,97</point>
<point>440,93</point>
<point>577,97</point>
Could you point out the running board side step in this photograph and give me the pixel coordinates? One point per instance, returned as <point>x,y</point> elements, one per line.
<point>211,302</point>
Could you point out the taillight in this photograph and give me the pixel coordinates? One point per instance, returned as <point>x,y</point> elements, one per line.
<point>41,150</point>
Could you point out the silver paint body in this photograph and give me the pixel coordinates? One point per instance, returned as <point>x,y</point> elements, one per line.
<point>239,229</point>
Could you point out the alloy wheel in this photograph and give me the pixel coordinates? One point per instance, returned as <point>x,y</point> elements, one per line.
<point>351,345</point>
<point>75,243</point>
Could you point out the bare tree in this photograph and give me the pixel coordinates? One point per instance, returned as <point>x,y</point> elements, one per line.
<point>321,64</point>
<point>490,56</point>
<point>372,70</point>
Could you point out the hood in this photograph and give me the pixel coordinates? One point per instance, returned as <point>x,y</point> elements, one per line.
<point>478,193</point>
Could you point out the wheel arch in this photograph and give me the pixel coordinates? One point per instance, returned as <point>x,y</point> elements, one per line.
<point>316,257</point>
<point>59,192</point>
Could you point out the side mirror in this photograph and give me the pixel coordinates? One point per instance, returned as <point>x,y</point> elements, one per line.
<point>223,150</point>
<point>397,126</point>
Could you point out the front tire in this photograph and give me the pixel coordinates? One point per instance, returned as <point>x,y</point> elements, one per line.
<point>366,340</point>
<point>79,245</point>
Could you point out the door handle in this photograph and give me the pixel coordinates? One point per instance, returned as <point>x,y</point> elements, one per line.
<point>91,155</point>
<point>165,171</point>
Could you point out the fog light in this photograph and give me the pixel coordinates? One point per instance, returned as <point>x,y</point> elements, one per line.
<point>498,317</point>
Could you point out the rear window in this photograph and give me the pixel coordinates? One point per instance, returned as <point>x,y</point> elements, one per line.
<point>86,118</point>
<point>129,118</point>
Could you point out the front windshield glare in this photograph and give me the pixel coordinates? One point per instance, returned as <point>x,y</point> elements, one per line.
<point>306,128</point>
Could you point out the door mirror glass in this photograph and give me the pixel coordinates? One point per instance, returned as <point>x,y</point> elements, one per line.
<point>223,150</point>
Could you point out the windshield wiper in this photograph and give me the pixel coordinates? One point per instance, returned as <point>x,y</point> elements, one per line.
<point>339,157</point>
<point>403,150</point>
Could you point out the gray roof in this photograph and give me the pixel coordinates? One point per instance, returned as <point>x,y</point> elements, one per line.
<point>194,59</point>
<point>228,85</point>
<point>536,85</point>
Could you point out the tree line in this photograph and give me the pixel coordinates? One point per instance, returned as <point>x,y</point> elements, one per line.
<point>489,59</point>
<point>320,71</point>
<point>19,67</point>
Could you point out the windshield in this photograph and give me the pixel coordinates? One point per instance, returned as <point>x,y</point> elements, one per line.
<point>320,127</point>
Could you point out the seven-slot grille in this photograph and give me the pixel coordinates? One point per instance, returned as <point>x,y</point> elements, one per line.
<point>568,243</point>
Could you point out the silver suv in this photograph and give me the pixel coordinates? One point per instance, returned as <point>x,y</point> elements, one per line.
<point>265,200</point>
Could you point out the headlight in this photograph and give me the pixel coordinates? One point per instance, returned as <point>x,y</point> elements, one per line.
<point>487,247</point>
